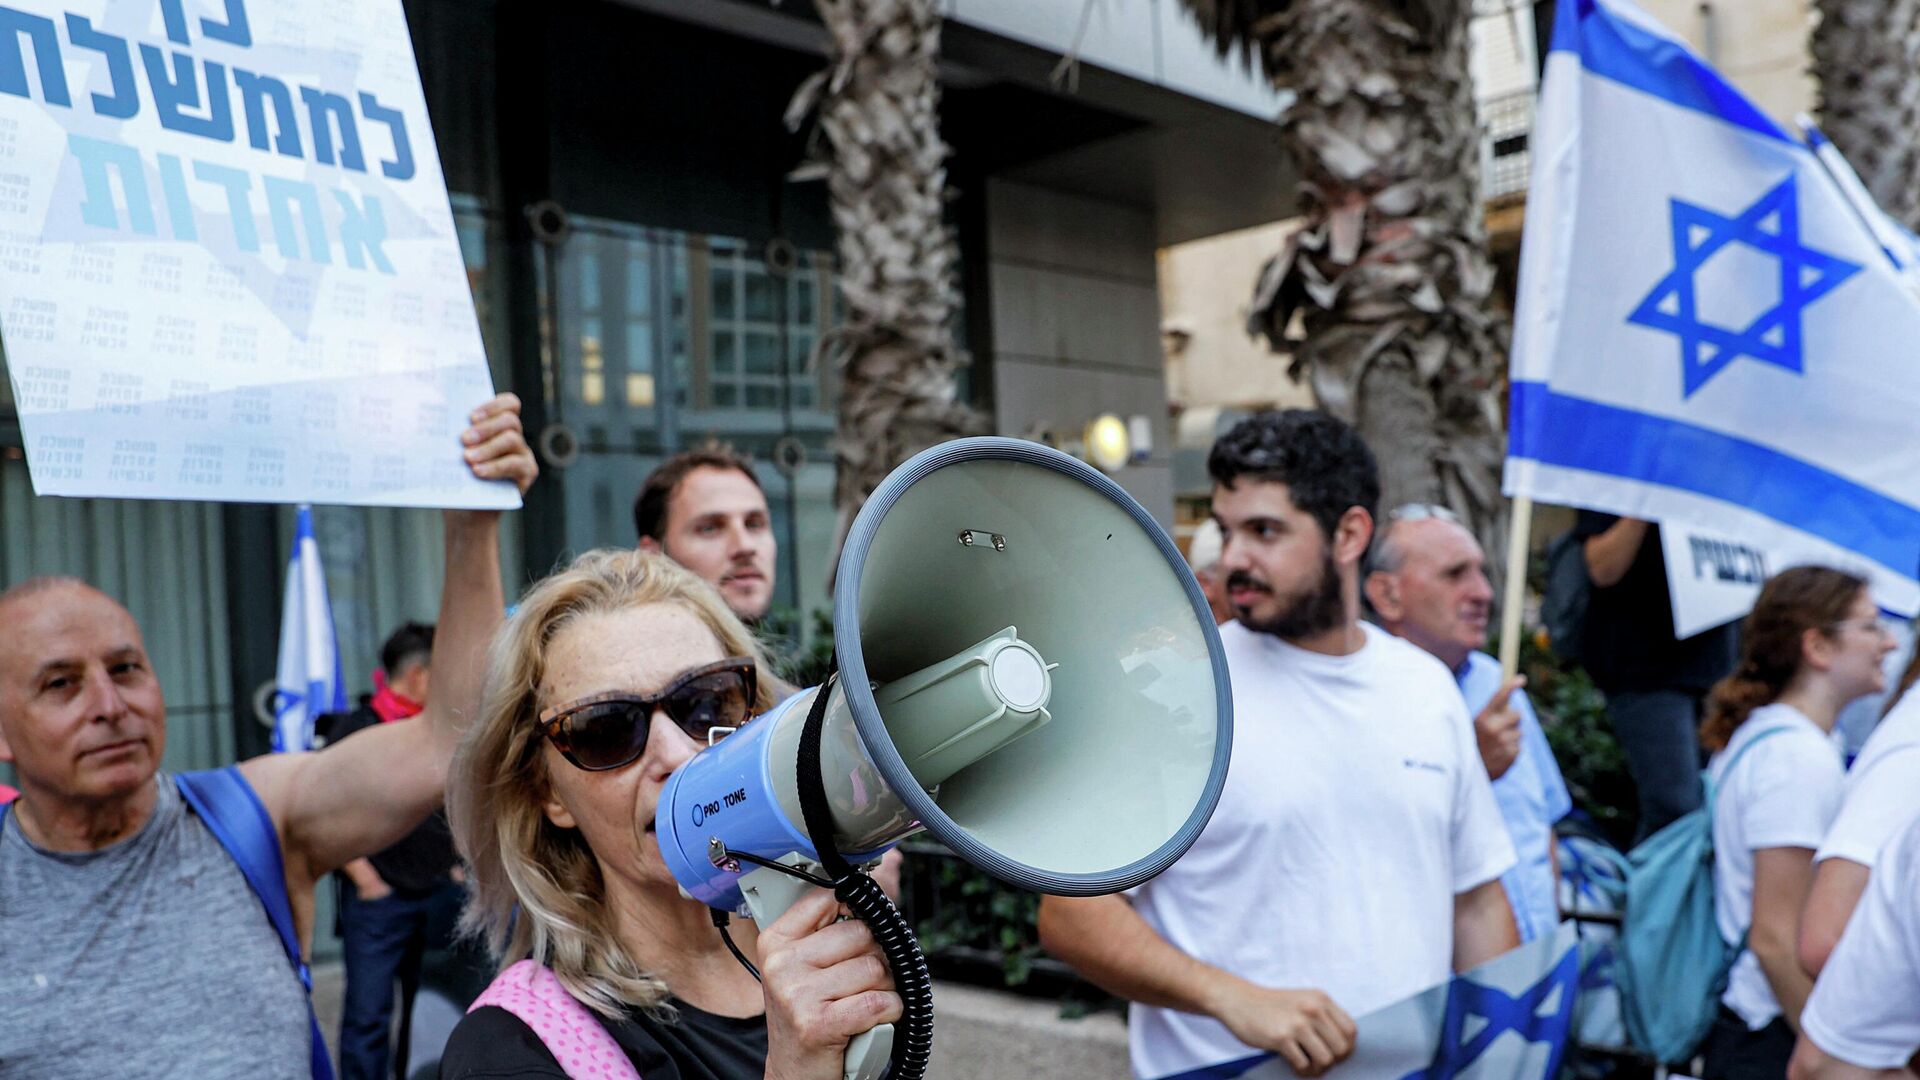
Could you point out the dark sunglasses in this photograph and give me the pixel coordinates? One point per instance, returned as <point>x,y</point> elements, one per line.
<point>608,731</point>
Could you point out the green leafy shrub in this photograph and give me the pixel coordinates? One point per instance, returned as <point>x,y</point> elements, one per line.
<point>973,913</point>
<point>1573,714</point>
<point>801,659</point>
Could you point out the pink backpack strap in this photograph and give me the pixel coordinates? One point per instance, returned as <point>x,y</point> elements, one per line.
<point>569,1030</point>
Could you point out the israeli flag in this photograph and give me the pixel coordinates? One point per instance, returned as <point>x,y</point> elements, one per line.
<point>307,681</point>
<point>1710,329</point>
<point>1511,1018</point>
<point>1900,245</point>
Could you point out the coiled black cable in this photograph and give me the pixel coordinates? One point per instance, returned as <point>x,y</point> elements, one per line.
<point>720,920</point>
<point>913,1035</point>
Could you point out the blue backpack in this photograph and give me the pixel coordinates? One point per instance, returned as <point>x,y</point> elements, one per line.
<point>232,812</point>
<point>1673,963</point>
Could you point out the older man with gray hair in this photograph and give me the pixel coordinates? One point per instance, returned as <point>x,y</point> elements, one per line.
<point>1427,582</point>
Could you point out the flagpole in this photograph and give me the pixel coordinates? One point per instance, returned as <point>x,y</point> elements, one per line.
<point>1816,142</point>
<point>1521,516</point>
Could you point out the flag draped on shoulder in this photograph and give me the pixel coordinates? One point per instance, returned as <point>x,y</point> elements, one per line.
<point>1711,327</point>
<point>307,679</point>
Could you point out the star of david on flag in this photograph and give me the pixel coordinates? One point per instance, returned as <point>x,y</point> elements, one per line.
<point>1770,225</point>
<point>1511,1018</point>
<point>1714,327</point>
<point>1478,1015</point>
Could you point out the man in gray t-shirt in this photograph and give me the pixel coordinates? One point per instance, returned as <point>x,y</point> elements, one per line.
<point>157,935</point>
<point>130,945</point>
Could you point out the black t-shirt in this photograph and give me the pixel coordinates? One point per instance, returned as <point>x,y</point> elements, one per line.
<point>419,862</point>
<point>1628,642</point>
<point>492,1044</point>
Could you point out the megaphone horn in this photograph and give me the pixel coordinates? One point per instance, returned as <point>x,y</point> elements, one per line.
<point>1027,671</point>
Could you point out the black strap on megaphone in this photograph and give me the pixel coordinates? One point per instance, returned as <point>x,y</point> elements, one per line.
<point>913,1035</point>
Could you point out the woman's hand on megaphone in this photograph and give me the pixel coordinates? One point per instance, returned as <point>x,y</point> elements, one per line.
<point>1306,1027</point>
<point>825,982</point>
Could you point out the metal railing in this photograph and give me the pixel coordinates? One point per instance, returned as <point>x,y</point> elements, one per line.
<point>1506,125</point>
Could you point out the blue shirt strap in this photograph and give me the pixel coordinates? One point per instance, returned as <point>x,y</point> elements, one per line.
<point>234,814</point>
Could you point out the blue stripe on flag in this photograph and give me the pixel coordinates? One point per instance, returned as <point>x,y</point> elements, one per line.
<point>1575,433</point>
<point>1615,49</point>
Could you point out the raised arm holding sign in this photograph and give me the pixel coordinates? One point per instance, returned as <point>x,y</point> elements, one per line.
<point>152,941</point>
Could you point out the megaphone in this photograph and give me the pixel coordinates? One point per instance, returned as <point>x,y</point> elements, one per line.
<point>1027,671</point>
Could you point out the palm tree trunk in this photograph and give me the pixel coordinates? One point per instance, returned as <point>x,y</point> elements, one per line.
<point>1866,55</point>
<point>1384,295</point>
<point>884,162</point>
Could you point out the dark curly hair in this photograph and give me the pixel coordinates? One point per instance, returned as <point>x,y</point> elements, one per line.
<point>1325,464</point>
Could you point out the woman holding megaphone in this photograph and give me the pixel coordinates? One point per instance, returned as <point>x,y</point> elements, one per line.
<point>611,675</point>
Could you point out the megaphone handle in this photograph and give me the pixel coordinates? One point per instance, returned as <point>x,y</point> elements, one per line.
<point>769,894</point>
<point>868,1054</point>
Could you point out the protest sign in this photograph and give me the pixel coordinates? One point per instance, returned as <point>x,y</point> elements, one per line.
<point>1713,578</point>
<point>228,266</point>
<point>1714,574</point>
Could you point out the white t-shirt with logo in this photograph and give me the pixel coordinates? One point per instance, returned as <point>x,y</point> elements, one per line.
<point>1882,789</point>
<point>1784,794</point>
<point>1865,1009</point>
<point>1356,807</point>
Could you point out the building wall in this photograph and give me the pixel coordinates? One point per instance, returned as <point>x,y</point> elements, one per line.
<point>1211,359</point>
<point>1154,41</point>
<point>1076,323</point>
<point>1760,45</point>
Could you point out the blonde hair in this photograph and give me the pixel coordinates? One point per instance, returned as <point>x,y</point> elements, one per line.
<point>536,889</point>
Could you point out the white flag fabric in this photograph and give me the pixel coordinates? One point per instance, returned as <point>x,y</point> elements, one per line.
<point>1899,243</point>
<point>1708,330</point>
<point>1508,1019</point>
<point>307,680</point>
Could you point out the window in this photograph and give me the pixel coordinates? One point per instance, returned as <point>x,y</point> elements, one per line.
<point>762,328</point>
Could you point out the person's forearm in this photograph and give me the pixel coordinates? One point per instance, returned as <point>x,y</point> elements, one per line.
<point>362,874</point>
<point>1812,1063</point>
<point>1789,981</point>
<point>1111,946</point>
<point>472,606</point>
<point>1483,926</point>
<point>1837,885</point>
<point>1610,554</point>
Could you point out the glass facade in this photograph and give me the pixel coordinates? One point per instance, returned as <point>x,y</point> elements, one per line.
<point>658,341</point>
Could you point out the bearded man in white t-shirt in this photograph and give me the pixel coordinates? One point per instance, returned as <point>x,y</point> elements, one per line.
<point>1356,853</point>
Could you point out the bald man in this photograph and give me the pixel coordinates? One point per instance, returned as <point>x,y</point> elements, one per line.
<point>133,945</point>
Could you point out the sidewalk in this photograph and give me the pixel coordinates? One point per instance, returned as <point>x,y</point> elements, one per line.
<point>978,1034</point>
